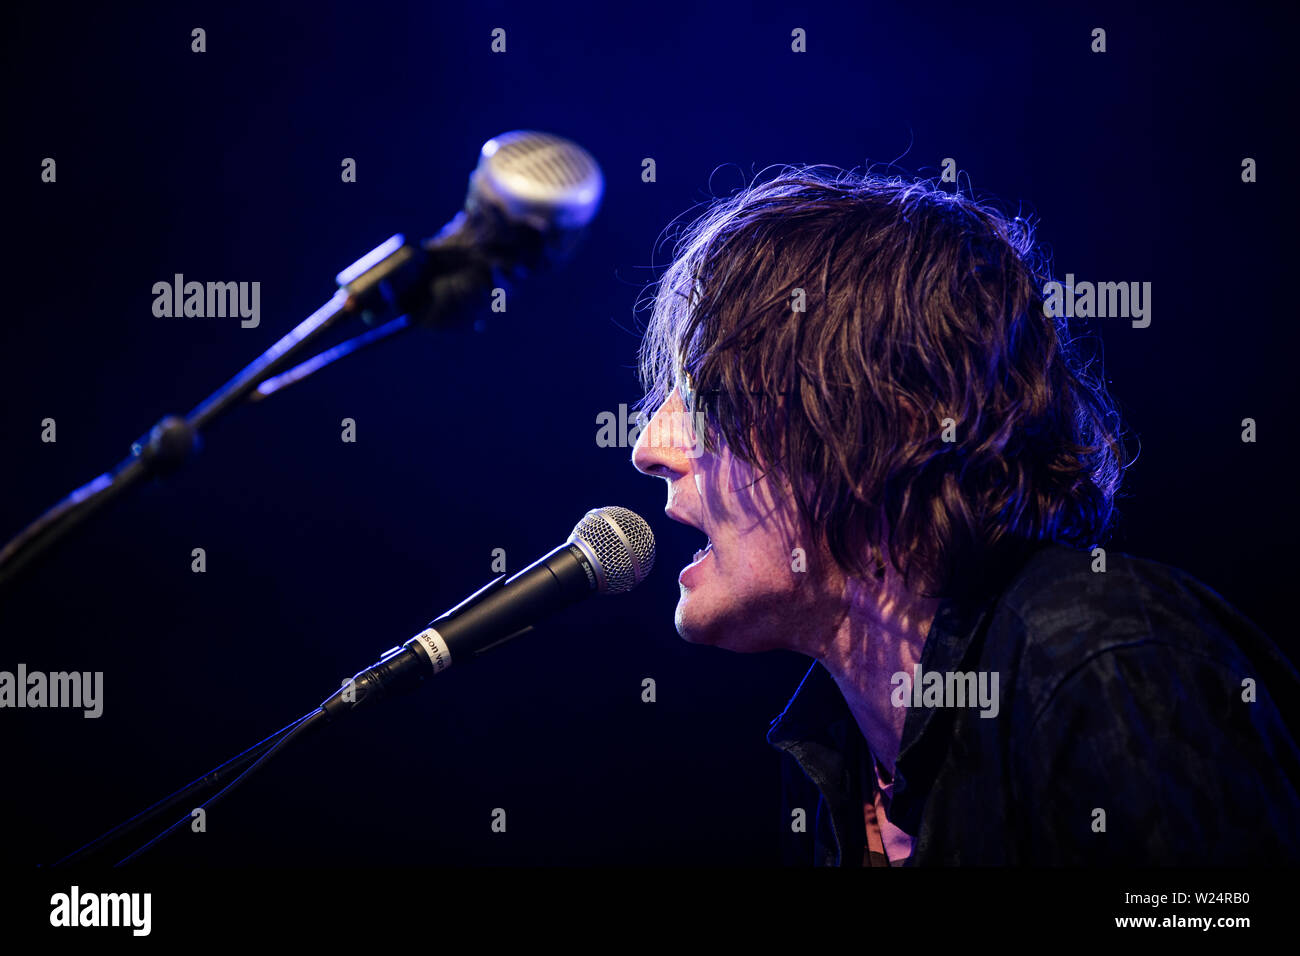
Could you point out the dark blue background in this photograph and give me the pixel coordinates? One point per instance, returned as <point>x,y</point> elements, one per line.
<point>225,166</point>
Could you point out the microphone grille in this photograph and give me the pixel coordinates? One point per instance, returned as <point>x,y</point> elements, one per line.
<point>622,544</point>
<point>543,179</point>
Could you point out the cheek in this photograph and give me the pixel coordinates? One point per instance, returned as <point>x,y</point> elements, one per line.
<point>762,562</point>
<point>752,516</point>
<point>734,493</point>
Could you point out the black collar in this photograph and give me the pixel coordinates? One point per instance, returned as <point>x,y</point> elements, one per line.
<point>819,731</point>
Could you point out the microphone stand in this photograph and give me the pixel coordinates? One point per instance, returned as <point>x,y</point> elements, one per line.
<point>256,755</point>
<point>437,280</point>
<point>329,356</point>
<point>400,670</point>
<point>393,275</point>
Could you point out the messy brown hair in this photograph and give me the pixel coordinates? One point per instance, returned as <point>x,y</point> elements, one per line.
<point>922,320</point>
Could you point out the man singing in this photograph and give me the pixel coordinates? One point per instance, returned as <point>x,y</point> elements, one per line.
<point>905,472</point>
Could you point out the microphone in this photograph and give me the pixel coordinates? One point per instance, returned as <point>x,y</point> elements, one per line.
<point>529,201</point>
<point>611,551</point>
<point>528,188</point>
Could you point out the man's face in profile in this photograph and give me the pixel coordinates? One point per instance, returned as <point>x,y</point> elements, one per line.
<point>749,589</point>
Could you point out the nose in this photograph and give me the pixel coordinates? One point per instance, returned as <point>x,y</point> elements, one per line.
<point>662,450</point>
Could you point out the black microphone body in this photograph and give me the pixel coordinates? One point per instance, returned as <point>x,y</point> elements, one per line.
<point>611,550</point>
<point>507,607</point>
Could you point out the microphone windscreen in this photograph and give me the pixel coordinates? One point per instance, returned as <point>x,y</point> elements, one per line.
<point>546,181</point>
<point>621,542</point>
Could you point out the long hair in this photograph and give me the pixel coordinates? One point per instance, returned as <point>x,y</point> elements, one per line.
<point>883,345</point>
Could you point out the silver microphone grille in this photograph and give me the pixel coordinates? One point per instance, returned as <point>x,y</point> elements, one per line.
<point>542,179</point>
<point>621,543</point>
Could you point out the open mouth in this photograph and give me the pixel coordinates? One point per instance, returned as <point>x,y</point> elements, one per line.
<point>688,575</point>
<point>700,556</point>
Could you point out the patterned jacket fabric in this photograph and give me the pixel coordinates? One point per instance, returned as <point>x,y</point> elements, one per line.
<point>1140,720</point>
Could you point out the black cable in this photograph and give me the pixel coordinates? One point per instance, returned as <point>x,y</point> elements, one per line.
<point>308,722</point>
<point>199,784</point>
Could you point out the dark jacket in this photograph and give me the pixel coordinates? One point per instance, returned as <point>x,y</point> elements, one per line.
<point>1123,735</point>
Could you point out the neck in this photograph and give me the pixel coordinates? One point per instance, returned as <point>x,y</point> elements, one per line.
<point>882,633</point>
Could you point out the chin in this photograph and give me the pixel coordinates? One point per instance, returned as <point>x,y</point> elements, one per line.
<point>695,627</point>
<point>726,628</point>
